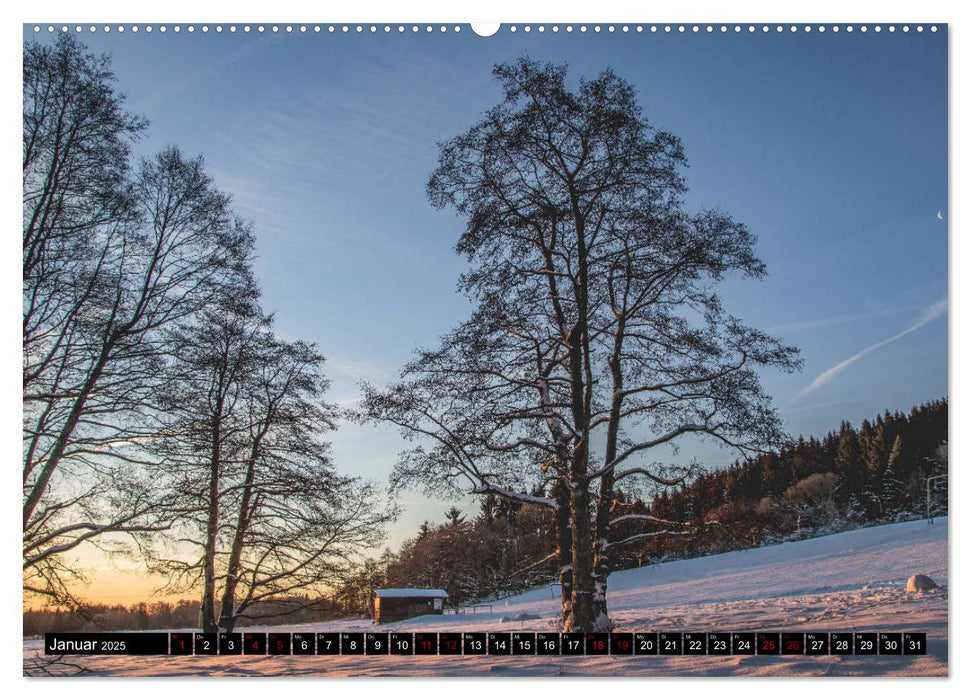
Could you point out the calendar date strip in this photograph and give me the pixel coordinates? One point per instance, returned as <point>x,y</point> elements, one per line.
<point>487,643</point>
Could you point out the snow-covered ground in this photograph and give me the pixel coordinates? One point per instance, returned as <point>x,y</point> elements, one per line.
<point>851,581</point>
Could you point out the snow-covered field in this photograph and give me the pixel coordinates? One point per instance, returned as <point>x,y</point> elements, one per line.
<point>852,581</point>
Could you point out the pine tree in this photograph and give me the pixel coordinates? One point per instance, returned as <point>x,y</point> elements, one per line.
<point>849,464</point>
<point>489,507</point>
<point>894,478</point>
<point>876,465</point>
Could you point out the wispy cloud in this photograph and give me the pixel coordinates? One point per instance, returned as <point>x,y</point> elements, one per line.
<point>817,406</point>
<point>358,370</point>
<point>932,312</point>
<point>836,320</point>
<point>204,73</point>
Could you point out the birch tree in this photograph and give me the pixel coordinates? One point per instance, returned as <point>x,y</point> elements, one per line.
<point>598,343</point>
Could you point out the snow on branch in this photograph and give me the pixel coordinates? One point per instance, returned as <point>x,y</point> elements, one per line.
<point>636,516</point>
<point>534,565</point>
<point>486,488</point>
<point>515,445</point>
<point>646,535</point>
<point>673,481</point>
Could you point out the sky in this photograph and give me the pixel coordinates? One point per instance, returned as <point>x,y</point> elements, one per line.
<point>831,147</point>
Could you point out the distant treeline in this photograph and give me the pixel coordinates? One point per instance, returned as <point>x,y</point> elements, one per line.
<point>849,478</point>
<point>165,615</point>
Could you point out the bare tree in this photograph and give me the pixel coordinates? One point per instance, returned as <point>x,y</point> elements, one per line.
<point>76,147</point>
<point>598,343</point>
<point>299,525</point>
<point>155,391</point>
<point>206,386</point>
<point>812,500</point>
<point>261,511</point>
<point>110,259</point>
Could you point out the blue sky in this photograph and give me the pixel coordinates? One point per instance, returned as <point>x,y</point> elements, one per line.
<point>831,147</point>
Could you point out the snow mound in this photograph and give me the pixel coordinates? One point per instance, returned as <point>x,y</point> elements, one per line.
<point>521,617</point>
<point>919,582</point>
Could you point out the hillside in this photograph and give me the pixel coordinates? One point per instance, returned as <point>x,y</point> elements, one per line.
<point>847,581</point>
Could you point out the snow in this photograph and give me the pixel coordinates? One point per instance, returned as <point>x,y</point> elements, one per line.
<point>514,495</point>
<point>411,593</point>
<point>851,581</point>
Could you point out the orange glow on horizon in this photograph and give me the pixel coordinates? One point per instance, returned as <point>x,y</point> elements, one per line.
<point>112,581</point>
<point>114,587</point>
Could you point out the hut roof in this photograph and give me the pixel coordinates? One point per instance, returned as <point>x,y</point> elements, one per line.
<point>410,593</point>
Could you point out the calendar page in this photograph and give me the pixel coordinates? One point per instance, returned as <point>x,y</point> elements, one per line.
<point>610,349</point>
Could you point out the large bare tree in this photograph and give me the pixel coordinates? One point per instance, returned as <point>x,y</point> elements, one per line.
<point>111,258</point>
<point>598,343</point>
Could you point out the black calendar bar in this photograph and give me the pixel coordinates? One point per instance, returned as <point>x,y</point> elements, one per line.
<point>113,643</point>
<point>631,644</point>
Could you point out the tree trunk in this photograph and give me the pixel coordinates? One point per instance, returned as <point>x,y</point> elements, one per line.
<point>585,614</point>
<point>564,549</point>
<point>67,431</point>
<point>601,569</point>
<point>601,559</point>
<point>208,612</point>
<point>227,612</point>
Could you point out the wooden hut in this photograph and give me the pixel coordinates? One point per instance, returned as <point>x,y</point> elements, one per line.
<point>391,604</point>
